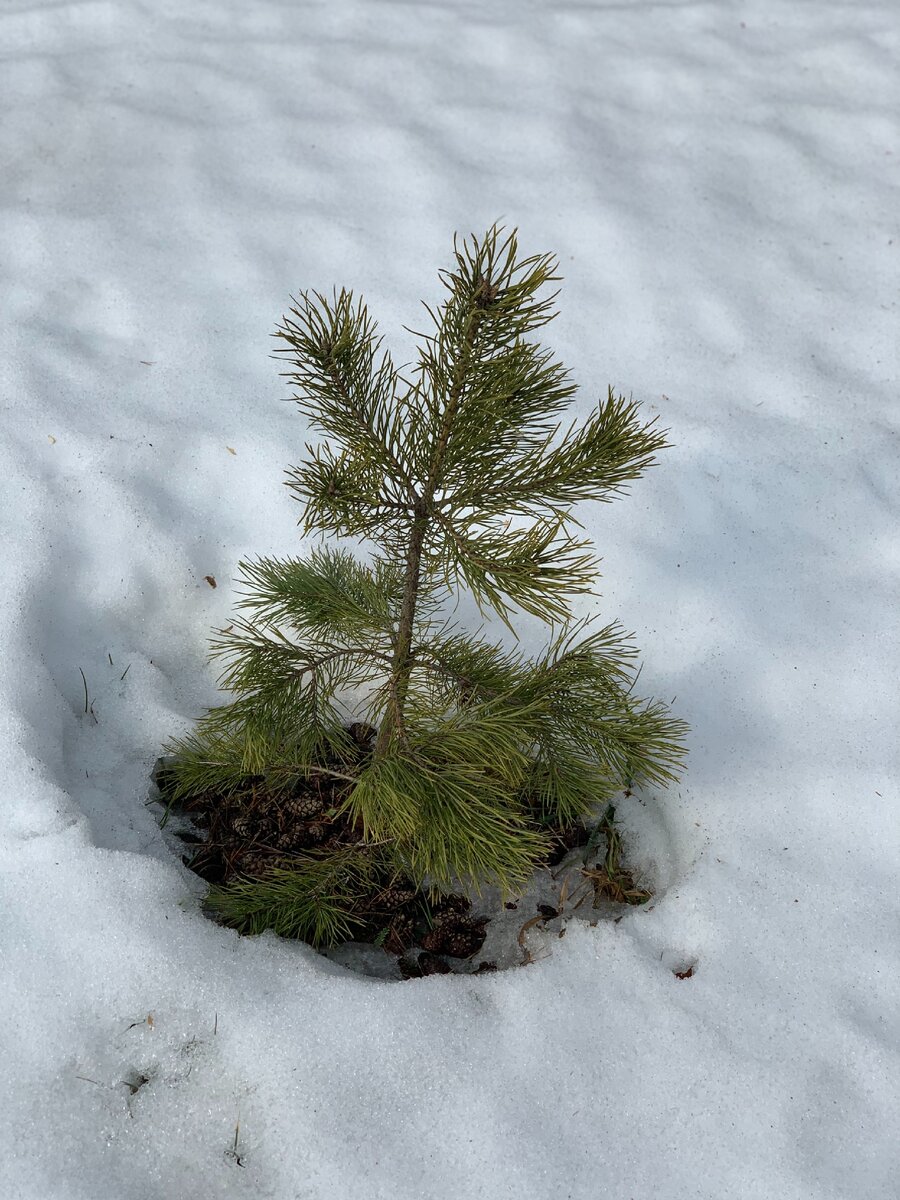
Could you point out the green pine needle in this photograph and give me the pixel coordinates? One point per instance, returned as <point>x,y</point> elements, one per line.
<point>316,900</point>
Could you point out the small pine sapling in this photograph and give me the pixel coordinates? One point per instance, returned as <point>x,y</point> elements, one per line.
<point>456,472</point>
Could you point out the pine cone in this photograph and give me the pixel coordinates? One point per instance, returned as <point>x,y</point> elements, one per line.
<point>307,804</point>
<point>433,940</point>
<point>393,898</point>
<point>244,826</point>
<point>315,833</point>
<point>289,838</point>
<point>449,908</point>
<point>460,939</point>
<point>266,828</point>
<point>255,864</point>
<point>399,935</point>
<point>464,942</point>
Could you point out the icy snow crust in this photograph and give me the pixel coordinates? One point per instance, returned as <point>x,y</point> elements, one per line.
<point>720,181</point>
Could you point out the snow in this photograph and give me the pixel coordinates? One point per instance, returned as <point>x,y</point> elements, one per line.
<point>720,182</point>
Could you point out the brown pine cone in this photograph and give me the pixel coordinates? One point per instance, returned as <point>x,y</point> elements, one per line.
<point>459,940</point>
<point>289,838</point>
<point>266,828</point>
<point>433,940</point>
<point>307,804</point>
<point>315,833</point>
<point>393,898</point>
<point>255,864</point>
<point>449,908</point>
<point>244,825</point>
<point>399,935</point>
<point>464,942</point>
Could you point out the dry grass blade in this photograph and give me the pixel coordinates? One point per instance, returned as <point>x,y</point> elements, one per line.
<point>527,956</point>
<point>620,887</point>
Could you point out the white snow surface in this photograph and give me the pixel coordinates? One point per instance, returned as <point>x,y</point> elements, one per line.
<point>720,181</point>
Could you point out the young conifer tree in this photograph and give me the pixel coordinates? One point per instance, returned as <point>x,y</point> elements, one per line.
<point>457,472</point>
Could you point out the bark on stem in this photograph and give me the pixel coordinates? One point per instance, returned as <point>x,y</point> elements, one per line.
<point>401,668</point>
<point>392,725</point>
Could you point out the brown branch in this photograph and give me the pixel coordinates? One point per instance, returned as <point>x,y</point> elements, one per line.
<point>392,725</point>
<point>332,654</point>
<point>312,768</point>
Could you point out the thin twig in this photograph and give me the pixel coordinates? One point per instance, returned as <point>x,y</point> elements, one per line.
<point>310,768</point>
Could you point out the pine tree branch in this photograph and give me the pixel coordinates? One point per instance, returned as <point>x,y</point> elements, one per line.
<point>333,349</point>
<point>257,655</point>
<point>593,462</point>
<point>328,594</point>
<point>532,567</point>
<point>398,470</point>
<point>344,652</point>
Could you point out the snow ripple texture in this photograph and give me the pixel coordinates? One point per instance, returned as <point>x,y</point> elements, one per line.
<point>720,182</point>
